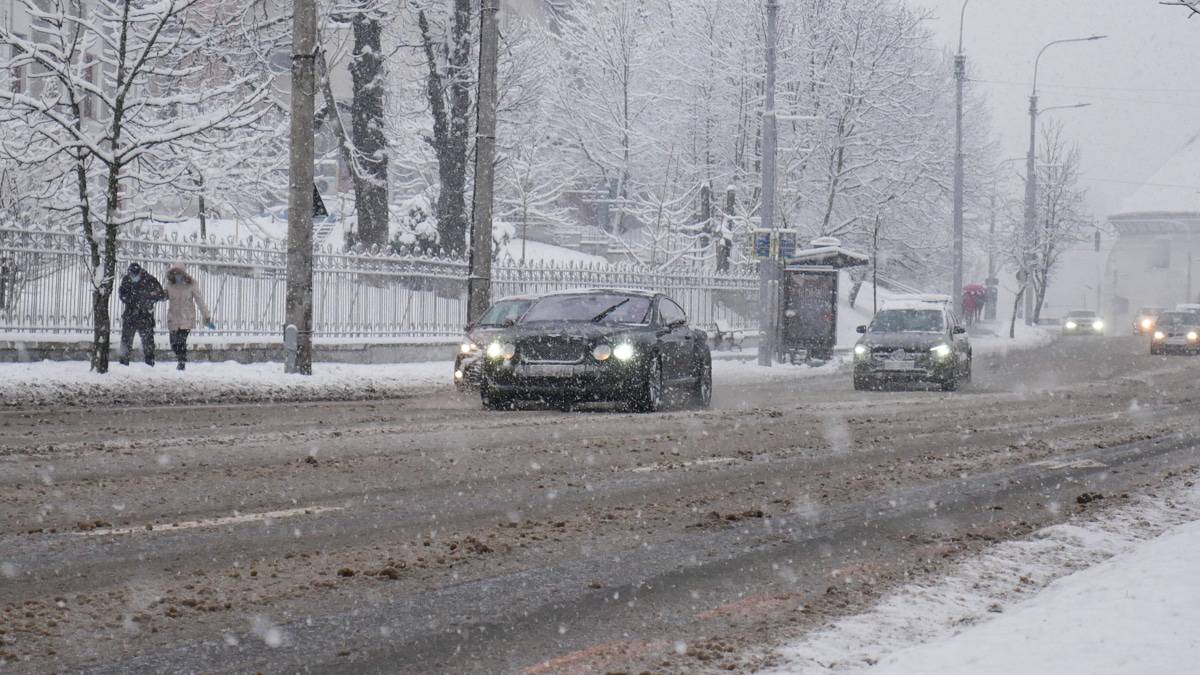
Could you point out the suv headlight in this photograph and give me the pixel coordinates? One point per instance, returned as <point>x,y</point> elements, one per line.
<point>942,351</point>
<point>860,351</point>
<point>1159,335</point>
<point>1097,325</point>
<point>501,350</point>
<point>624,351</point>
<point>1147,324</point>
<point>1192,336</point>
<point>601,352</point>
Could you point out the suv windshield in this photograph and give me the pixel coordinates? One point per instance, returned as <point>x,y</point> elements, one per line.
<point>592,307</point>
<point>1174,319</point>
<point>504,312</point>
<point>908,321</point>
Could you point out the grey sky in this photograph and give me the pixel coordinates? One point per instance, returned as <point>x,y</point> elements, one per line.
<point>1143,81</point>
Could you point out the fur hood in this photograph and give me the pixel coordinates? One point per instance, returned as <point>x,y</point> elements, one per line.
<point>176,270</point>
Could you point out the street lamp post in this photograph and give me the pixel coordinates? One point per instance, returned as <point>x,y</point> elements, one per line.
<point>768,268</point>
<point>1031,174</point>
<point>960,73</point>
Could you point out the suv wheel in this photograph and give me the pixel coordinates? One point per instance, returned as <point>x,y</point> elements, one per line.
<point>491,399</point>
<point>950,383</point>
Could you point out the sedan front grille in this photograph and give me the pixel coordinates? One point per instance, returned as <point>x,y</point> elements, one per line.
<point>553,350</point>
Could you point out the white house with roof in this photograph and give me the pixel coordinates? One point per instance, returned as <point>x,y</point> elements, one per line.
<point>1156,257</point>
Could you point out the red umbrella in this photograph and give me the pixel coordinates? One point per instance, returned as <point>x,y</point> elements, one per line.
<point>974,289</point>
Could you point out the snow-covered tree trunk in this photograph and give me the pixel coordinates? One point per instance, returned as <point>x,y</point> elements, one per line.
<point>367,110</point>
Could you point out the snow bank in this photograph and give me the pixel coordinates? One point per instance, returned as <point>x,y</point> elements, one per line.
<point>1017,608</point>
<point>71,383</point>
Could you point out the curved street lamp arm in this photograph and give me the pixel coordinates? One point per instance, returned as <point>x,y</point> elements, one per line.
<point>1037,61</point>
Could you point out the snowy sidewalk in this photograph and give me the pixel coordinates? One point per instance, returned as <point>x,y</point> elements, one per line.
<point>1117,594</point>
<point>71,383</point>
<point>1139,612</point>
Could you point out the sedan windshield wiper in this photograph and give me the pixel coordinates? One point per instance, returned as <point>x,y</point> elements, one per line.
<point>602,315</point>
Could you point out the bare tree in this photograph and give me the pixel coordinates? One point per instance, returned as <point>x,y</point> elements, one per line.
<point>448,89</point>
<point>1062,219</point>
<point>101,111</point>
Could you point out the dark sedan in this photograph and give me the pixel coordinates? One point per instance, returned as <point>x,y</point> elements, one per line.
<point>598,345</point>
<point>503,313</point>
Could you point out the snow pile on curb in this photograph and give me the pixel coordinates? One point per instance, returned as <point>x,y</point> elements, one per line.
<point>71,383</point>
<point>1027,337</point>
<point>1017,607</point>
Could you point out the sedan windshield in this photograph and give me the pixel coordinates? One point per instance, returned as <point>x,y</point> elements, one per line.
<point>1081,314</point>
<point>908,321</point>
<point>592,307</point>
<point>504,312</point>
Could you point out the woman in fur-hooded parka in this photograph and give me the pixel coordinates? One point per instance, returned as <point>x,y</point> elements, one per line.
<point>183,297</point>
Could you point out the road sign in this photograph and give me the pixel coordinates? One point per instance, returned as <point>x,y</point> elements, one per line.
<point>787,243</point>
<point>762,241</point>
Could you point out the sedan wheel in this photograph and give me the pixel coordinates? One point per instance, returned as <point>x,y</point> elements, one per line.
<point>702,391</point>
<point>651,397</point>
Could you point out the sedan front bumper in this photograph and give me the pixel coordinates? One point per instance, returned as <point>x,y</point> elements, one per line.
<point>587,381</point>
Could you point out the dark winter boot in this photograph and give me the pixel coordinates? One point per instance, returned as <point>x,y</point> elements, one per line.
<point>123,361</point>
<point>181,366</point>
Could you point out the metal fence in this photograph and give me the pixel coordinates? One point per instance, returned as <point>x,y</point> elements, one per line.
<point>45,286</point>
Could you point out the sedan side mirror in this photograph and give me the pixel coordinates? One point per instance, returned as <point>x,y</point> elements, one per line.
<point>861,329</point>
<point>959,330</point>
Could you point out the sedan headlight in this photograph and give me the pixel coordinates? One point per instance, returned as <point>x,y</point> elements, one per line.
<point>1192,336</point>
<point>1071,325</point>
<point>601,352</point>
<point>501,350</point>
<point>468,347</point>
<point>1159,335</point>
<point>942,351</point>
<point>1097,325</point>
<point>624,351</point>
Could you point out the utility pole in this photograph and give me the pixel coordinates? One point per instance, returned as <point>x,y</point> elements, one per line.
<point>875,268</point>
<point>768,268</point>
<point>960,74</point>
<point>479,279</point>
<point>1030,209</point>
<point>1028,256</point>
<point>299,306</point>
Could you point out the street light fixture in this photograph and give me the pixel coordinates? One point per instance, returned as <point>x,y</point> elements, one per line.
<point>1030,168</point>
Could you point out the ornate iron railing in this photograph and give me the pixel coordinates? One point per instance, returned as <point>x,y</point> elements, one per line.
<point>45,286</point>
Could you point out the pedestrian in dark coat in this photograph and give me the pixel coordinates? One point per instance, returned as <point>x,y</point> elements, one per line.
<point>139,291</point>
<point>184,297</point>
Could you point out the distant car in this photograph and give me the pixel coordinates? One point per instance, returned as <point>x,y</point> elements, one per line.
<point>1082,322</point>
<point>1146,318</point>
<point>1176,332</point>
<point>912,342</point>
<point>598,345</point>
<point>1187,307</point>
<point>503,313</point>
